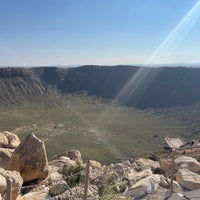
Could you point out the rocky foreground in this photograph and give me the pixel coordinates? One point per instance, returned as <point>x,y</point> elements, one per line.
<point>34,178</point>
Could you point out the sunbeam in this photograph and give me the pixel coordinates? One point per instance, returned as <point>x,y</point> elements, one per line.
<point>174,38</point>
<point>143,75</point>
<point>131,85</point>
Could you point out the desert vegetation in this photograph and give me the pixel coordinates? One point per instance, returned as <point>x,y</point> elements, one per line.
<point>103,130</point>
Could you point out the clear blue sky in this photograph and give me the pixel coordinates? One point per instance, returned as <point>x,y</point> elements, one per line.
<point>67,32</point>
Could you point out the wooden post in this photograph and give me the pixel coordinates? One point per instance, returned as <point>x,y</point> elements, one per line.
<point>172,171</point>
<point>86,179</point>
<point>9,189</point>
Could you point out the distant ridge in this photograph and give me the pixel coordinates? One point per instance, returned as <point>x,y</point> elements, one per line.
<point>153,87</point>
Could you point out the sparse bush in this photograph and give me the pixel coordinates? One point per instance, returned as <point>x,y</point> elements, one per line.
<point>75,180</point>
<point>74,175</point>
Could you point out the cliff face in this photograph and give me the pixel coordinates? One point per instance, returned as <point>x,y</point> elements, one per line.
<point>18,85</point>
<point>132,86</point>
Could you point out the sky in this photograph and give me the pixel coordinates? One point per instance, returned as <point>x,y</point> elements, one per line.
<point>105,32</point>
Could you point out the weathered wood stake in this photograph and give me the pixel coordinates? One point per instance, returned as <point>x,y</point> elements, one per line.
<point>86,179</point>
<point>172,172</point>
<point>9,189</point>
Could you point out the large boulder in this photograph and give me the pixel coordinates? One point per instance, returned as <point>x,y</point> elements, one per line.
<point>95,164</point>
<point>63,161</point>
<point>188,179</point>
<point>187,162</point>
<point>143,187</point>
<point>13,140</point>
<point>5,155</point>
<point>17,182</point>
<point>147,164</point>
<point>165,183</point>
<point>38,194</point>
<point>187,195</point>
<point>58,188</point>
<point>73,155</point>
<point>9,140</point>
<point>134,177</point>
<point>30,159</point>
<point>192,195</point>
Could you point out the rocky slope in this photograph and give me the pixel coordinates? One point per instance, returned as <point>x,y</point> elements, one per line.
<point>18,85</point>
<point>34,177</point>
<point>132,86</point>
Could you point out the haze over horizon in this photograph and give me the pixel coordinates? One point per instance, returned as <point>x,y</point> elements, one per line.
<point>102,32</point>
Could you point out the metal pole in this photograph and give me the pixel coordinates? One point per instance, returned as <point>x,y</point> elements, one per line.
<point>9,189</point>
<point>86,179</point>
<point>172,172</point>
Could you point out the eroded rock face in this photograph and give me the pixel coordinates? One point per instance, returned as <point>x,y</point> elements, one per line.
<point>15,177</point>
<point>188,179</point>
<point>30,159</point>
